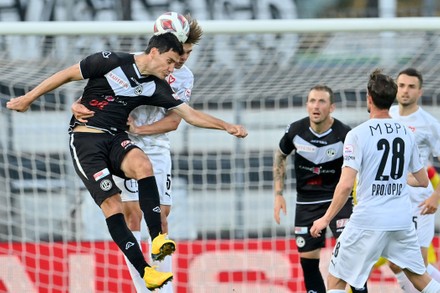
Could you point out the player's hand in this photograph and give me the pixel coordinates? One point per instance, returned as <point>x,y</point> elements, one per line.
<point>19,104</point>
<point>237,130</point>
<point>429,205</point>
<point>279,205</point>
<point>132,129</point>
<point>81,112</point>
<point>318,226</point>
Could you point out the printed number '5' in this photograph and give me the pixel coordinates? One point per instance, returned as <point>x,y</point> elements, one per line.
<point>397,158</point>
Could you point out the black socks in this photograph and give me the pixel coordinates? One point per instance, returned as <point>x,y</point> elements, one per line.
<point>149,202</point>
<point>312,276</point>
<point>127,243</point>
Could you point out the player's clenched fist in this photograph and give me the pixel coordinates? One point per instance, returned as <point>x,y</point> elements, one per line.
<point>19,104</point>
<point>237,130</point>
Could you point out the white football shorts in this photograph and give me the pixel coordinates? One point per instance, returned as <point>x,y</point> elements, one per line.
<point>425,227</point>
<point>356,252</point>
<point>162,172</point>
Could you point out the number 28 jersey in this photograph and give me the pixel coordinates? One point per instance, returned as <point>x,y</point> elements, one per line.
<point>383,151</point>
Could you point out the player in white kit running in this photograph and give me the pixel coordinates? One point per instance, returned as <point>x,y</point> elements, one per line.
<point>380,153</point>
<point>426,130</point>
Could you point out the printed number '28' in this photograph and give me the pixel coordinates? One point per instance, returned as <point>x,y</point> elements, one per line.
<point>397,158</point>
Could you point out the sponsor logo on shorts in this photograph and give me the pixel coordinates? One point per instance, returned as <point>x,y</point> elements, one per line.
<point>300,230</point>
<point>300,241</point>
<point>101,174</point>
<point>341,223</point>
<point>156,209</point>
<point>106,185</point>
<point>126,143</point>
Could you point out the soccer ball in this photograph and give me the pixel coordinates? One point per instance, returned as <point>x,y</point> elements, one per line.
<point>172,22</point>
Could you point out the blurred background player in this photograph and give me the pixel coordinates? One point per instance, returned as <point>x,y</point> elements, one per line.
<point>317,142</point>
<point>148,130</point>
<point>426,130</point>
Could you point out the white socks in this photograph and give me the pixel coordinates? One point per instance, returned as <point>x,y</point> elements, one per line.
<point>432,287</point>
<point>405,284</point>
<point>433,272</point>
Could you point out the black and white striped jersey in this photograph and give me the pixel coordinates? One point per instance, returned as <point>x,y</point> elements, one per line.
<point>317,158</point>
<point>115,87</point>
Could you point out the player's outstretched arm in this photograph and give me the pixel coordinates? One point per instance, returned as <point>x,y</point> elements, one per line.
<point>203,120</point>
<point>340,196</point>
<point>22,103</point>
<point>279,174</point>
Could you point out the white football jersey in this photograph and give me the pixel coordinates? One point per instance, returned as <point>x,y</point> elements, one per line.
<point>383,151</point>
<point>426,130</point>
<point>182,82</point>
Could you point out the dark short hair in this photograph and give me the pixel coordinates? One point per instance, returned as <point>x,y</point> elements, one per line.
<point>382,89</point>
<point>412,72</point>
<point>164,43</point>
<point>324,88</point>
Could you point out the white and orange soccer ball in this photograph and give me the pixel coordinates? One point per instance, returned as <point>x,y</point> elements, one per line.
<point>172,22</point>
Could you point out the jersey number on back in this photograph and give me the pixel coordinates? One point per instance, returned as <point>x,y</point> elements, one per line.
<point>397,149</point>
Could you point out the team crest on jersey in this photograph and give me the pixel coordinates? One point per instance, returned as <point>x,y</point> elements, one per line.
<point>331,153</point>
<point>171,79</point>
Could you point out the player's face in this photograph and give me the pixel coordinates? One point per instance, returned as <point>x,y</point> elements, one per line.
<point>319,106</point>
<point>163,64</point>
<point>408,90</point>
<point>187,50</point>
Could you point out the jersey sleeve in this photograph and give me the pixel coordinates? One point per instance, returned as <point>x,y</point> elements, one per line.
<point>98,64</point>
<point>435,142</point>
<point>164,96</point>
<point>286,145</point>
<point>415,163</point>
<point>352,152</point>
<point>184,92</point>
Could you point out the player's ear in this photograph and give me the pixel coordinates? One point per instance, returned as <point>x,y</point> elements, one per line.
<point>332,107</point>
<point>154,51</point>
